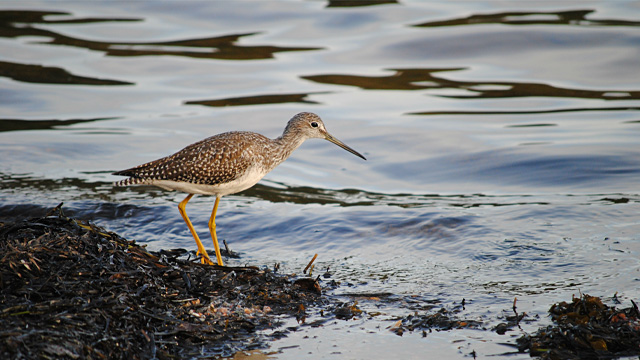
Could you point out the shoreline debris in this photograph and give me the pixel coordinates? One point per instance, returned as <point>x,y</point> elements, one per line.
<point>585,328</point>
<point>72,289</point>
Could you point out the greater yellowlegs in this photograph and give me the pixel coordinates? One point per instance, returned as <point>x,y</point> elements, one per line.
<point>225,164</point>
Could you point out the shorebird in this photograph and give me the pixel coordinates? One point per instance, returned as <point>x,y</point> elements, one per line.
<point>226,164</point>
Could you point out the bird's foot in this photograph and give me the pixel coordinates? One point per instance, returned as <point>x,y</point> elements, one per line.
<point>204,258</point>
<point>207,261</point>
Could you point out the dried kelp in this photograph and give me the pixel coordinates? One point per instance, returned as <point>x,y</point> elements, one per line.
<point>70,289</point>
<point>585,328</point>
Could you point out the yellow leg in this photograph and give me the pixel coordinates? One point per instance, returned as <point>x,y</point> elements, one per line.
<point>201,249</point>
<point>212,229</point>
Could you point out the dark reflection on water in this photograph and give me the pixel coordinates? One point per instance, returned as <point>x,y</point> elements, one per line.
<point>275,193</point>
<point>23,23</point>
<point>49,75</point>
<point>570,17</point>
<point>220,47</point>
<point>18,212</point>
<point>27,183</point>
<point>530,125</point>
<point>359,3</point>
<point>74,188</point>
<point>403,79</point>
<point>356,197</point>
<point>421,79</point>
<point>256,100</point>
<point>526,112</point>
<point>10,18</point>
<point>18,23</point>
<point>616,200</point>
<point>20,125</point>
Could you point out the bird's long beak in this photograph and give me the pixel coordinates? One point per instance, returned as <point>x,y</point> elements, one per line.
<point>343,145</point>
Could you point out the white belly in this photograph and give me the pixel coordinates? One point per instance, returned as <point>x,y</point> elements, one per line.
<point>250,178</point>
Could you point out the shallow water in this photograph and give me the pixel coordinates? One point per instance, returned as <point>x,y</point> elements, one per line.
<point>502,142</point>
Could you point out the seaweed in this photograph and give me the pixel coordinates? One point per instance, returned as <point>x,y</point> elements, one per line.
<point>71,289</point>
<point>585,328</point>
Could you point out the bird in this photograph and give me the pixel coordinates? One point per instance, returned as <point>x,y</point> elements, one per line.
<point>226,164</point>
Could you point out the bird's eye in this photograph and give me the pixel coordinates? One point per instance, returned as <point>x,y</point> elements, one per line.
<point>314,124</point>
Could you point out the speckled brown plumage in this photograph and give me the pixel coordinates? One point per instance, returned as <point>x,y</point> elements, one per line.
<point>225,164</point>
<point>212,161</point>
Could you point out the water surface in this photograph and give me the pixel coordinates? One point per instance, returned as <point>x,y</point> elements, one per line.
<point>502,142</point>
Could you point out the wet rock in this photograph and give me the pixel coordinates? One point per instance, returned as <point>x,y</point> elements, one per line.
<point>308,284</point>
<point>347,312</point>
<point>501,328</point>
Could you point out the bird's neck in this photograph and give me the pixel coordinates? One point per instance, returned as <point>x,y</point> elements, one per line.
<point>286,144</point>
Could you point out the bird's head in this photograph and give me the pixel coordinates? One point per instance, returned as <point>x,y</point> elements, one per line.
<point>309,125</point>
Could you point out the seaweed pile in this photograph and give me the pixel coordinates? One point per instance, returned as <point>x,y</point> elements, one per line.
<point>441,320</point>
<point>70,289</point>
<point>585,328</point>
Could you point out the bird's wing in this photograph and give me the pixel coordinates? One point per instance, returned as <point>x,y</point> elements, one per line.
<point>211,161</point>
